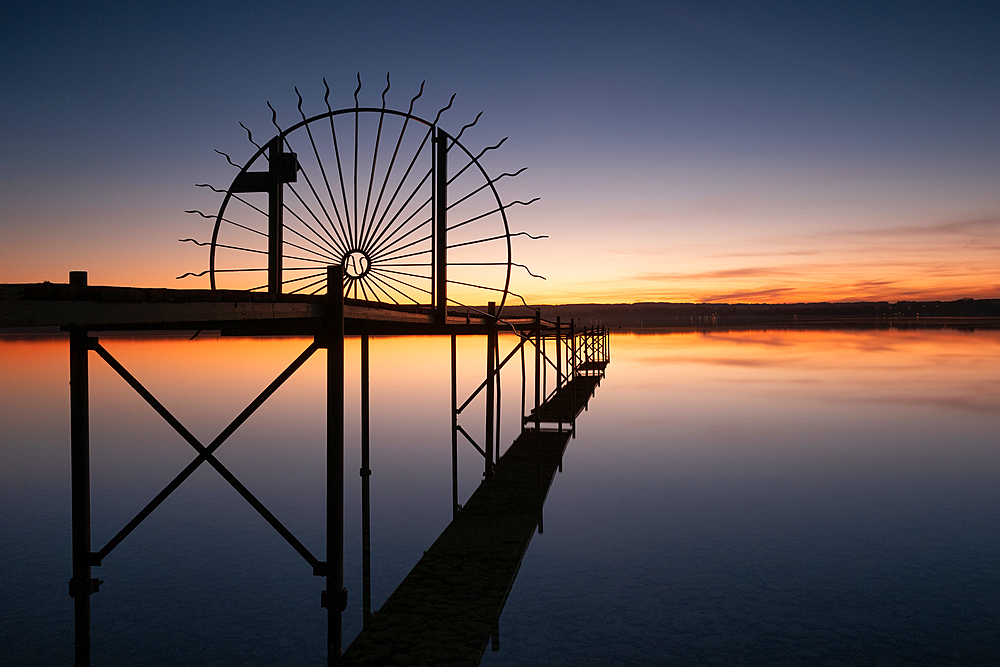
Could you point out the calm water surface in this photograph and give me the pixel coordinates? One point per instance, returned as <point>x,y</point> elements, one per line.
<point>776,497</point>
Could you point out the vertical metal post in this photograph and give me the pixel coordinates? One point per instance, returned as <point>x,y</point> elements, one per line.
<point>366,473</point>
<point>524,387</point>
<point>499,392</point>
<point>275,149</point>
<point>441,140</point>
<point>454,426</point>
<point>572,368</point>
<point>572,348</point>
<point>80,586</point>
<point>559,369</point>
<point>335,595</point>
<point>490,386</point>
<point>545,368</point>
<point>538,368</point>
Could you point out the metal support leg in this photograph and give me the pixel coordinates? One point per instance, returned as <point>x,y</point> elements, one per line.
<point>490,389</point>
<point>81,586</point>
<point>335,595</point>
<point>524,387</point>
<point>498,369</point>
<point>366,505</point>
<point>572,365</point>
<point>538,368</point>
<point>559,372</point>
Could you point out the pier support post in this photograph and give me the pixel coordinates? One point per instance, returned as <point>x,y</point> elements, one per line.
<point>81,586</point>
<point>332,334</point>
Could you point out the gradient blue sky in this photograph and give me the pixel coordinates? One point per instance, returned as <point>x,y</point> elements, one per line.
<point>771,151</point>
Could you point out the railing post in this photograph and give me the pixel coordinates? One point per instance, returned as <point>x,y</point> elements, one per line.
<point>81,586</point>
<point>335,596</point>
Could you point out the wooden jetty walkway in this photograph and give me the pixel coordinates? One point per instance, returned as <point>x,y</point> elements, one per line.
<point>566,403</point>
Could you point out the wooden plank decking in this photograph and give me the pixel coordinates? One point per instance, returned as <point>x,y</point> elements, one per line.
<point>566,403</point>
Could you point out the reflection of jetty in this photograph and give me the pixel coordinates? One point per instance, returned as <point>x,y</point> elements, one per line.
<point>448,607</point>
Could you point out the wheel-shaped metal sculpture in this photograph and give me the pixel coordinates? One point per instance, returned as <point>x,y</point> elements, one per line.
<point>407,209</point>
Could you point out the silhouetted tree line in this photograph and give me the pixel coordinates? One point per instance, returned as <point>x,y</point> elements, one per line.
<point>713,315</point>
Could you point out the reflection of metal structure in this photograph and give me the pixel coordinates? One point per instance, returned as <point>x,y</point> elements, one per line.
<point>409,212</point>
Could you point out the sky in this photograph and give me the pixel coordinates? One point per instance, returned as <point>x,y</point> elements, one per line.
<point>682,151</point>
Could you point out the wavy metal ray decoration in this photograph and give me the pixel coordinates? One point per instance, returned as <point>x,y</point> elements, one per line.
<point>420,224</point>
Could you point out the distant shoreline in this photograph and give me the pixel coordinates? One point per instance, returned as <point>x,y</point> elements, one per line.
<point>963,313</point>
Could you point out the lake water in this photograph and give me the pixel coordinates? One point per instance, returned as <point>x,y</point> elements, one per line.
<point>765,497</point>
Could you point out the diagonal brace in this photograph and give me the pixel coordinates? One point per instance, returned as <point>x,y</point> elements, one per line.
<point>495,372</point>
<point>206,454</point>
<point>471,441</point>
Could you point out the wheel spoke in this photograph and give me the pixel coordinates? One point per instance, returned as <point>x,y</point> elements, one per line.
<point>336,151</point>
<point>322,171</point>
<point>399,187</point>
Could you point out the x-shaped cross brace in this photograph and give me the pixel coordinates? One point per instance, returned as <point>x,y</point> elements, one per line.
<point>206,454</point>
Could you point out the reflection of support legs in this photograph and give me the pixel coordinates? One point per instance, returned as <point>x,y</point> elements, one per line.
<point>335,595</point>
<point>81,586</point>
<point>366,518</point>
<point>454,427</point>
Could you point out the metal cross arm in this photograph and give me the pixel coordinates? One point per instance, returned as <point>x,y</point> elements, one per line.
<point>206,454</point>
